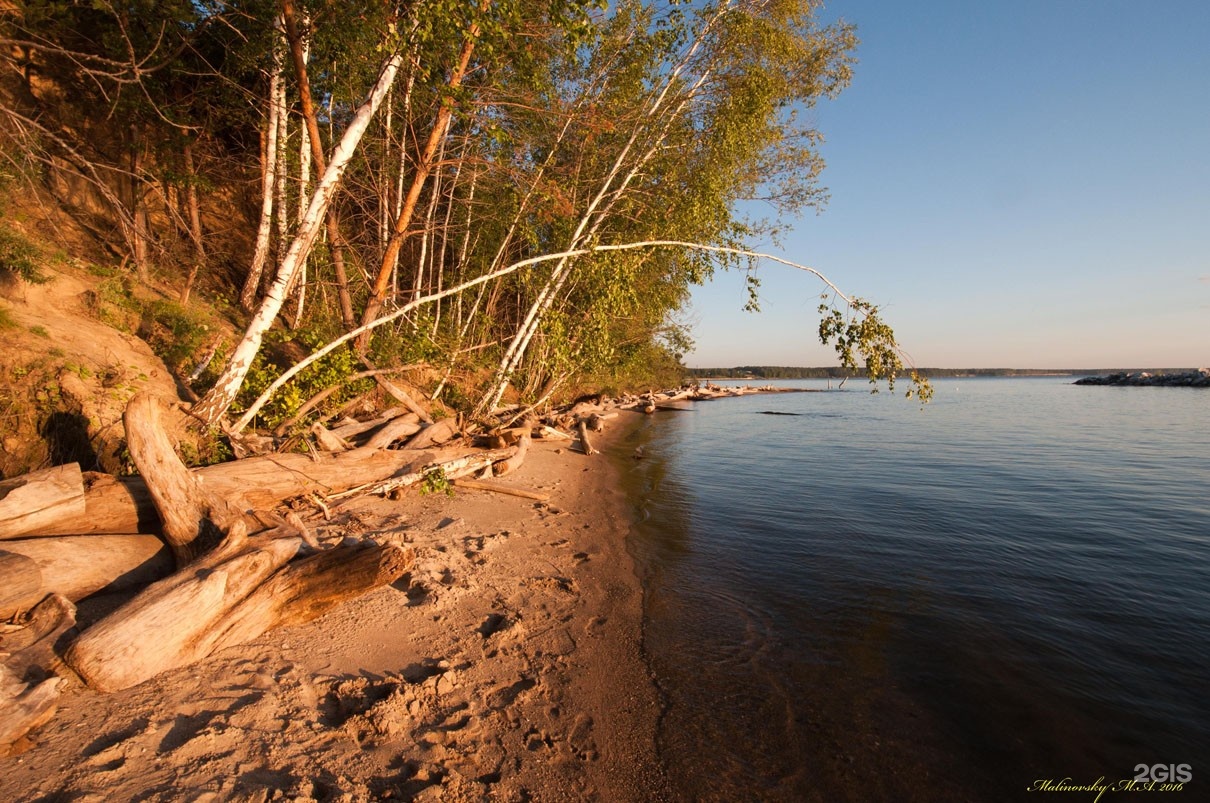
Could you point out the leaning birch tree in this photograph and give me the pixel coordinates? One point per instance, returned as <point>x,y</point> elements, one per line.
<point>216,402</point>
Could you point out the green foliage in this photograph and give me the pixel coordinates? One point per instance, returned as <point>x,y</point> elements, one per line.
<point>19,257</point>
<point>435,482</point>
<point>114,304</point>
<point>556,143</point>
<point>175,333</point>
<point>861,333</point>
<point>7,321</point>
<point>333,370</point>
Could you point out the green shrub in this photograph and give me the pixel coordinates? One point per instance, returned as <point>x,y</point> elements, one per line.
<point>19,257</point>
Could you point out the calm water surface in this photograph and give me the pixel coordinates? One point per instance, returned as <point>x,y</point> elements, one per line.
<point>865,601</point>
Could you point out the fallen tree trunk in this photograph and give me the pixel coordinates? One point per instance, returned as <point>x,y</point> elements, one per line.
<point>477,485</point>
<point>25,706</point>
<point>174,622</point>
<point>226,591</point>
<point>31,502</point>
<point>78,566</point>
<point>194,521</point>
<point>434,434</point>
<point>309,587</point>
<point>20,584</point>
<point>31,650</point>
<point>349,431</point>
<point>511,464</point>
<point>392,431</point>
<point>448,469</point>
<point>585,443</point>
<point>124,505</point>
<point>327,440</point>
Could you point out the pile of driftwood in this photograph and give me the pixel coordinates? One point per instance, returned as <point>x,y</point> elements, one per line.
<point>213,562</point>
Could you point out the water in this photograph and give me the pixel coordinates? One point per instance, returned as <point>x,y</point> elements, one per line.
<point>866,601</point>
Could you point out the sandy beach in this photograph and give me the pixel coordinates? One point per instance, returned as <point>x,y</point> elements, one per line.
<point>507,666</point>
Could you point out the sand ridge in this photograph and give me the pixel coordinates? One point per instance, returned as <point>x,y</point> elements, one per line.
<point>506,666</point>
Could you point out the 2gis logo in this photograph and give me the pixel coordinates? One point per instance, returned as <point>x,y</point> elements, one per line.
<point>1163,773</point>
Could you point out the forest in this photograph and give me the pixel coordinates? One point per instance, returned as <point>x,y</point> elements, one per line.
<point>508,200</point>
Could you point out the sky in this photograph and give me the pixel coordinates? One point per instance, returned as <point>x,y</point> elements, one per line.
<point>1017,185</point>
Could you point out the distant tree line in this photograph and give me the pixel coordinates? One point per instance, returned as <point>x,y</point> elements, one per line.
<point>838,372</point>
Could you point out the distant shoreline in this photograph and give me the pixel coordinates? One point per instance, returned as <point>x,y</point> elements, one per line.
<point>766,372</point>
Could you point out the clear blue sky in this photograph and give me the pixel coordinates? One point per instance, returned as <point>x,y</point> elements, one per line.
<point>1020,184</point>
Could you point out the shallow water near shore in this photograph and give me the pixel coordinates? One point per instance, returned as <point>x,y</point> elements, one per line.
<point>869,601</point>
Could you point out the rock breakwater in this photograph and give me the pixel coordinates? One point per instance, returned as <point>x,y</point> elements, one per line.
<point>1182,379</point>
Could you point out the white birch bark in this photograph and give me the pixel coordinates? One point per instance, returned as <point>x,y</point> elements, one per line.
<point>264,230</point>
<point>217,401</point>
<point>319,354</point>
<point>594,216</point>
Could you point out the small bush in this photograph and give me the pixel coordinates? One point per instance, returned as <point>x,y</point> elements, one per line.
<point>19,257</point>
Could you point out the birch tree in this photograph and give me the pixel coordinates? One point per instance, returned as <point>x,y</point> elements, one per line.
<point>220,397</point>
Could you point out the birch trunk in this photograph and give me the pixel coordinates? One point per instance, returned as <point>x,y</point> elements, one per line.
<point>299,55</point>
<point>595,215</point>
<point>264,230</point>
<point>423,168</point>
<point>217,401</point>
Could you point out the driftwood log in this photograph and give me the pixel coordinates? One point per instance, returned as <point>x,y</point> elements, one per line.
<point>585,443</point>
<point>194,521</point>
<point>435,433</point>
<point>508,490</point>
<point>230,587</point>
<point>398,429</point>
<point>124,505</point>
<point>20,584</point>
<point>453,468</point>
<point>31,502</point>
<point>28,696</point>
<point>512,463</point>
<point>77,566</point>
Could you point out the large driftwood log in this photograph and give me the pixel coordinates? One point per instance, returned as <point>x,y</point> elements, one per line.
<point>307,588</point>
<point>174,622</point>
<point>462,466</point>
<point>78,566</point>
<point>352,430</point>
<point>31,502</point>
<point>585,443</point>
<point>20,584</point>
<point>434,434</point>
<point>392,431</point>
<point>511,464</point>
<point>225,592</point>
<point>32,649</point>
<point>326,440</point>
<point>125,506</point>
<point>31,654</point>
<point>194,521</point>
<point>24,707</point>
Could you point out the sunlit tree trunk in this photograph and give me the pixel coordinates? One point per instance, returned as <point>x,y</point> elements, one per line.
<point>307,105</point>
<point>653,125</point>
<point>217,401</point>
<point>264,229</point>
<point>138,208</point>
<point>195,221</point>
<point>424,167</point>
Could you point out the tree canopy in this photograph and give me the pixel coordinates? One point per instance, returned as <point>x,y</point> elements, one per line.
<point>457,185</point>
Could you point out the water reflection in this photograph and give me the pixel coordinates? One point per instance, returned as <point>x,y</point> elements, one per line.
<point>881,606</point>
